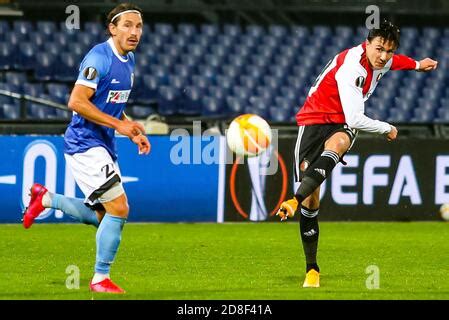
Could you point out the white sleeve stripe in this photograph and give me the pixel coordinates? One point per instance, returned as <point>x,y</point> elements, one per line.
<point>86,83</point>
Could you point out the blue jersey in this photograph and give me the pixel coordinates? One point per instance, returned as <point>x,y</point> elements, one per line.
<point>111,75</point>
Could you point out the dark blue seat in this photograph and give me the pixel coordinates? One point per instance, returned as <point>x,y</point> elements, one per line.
<point>62,40</point>
<point>210,30</point>
<point>208,71</point>
<point>225,82</point>
<point>67,67</point>
<point>7,56</point>
<point>220,50</point>
<point>201,81</point>
<point>59,92</point>
<point>141,111</point>
<point>146,90</point>
<point>94,28</point>
<point>254,71</point>
<point>248,82</point>
<point>27,53</point>
<point>186,29</point>
<point>168,100</point>
<point>232,30</point>
<point>398,116</point>
<point>299,31</point>
<point>212,106</point>
<point>4,29</point>
<point>226,41</point>
<point>422,116</point>
<point>10,111</point>
<point>86,39</point>
<point>16,79</point>
<point>248,40</point>
<point>279,114</point>
<point>255,31</point>
<point>163,29</point>
<point>161,72</point>
<point>23,27</point>
<point>376,114</point>
<point>46,28</point>
<point>14,39</point>
<point>183,70</point>
<point>45,67</point>
<point>196,49</point>
<point>213,60</point>
<point>277,31</point>
<point>179,40</point>
<point>40,111</point>
<point>33,89</point>
<point>241,92</point>
<point>443,115</point>
<point>176,81</point>
<point>192,101</point>
<point>230,71</point>
<point>236,105</point>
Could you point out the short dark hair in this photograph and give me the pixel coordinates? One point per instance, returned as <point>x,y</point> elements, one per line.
<point>120,8</point>
<point>387,30</point>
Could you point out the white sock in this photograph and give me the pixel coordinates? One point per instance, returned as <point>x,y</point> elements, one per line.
<point>47,199</point>
<point>98,277</point>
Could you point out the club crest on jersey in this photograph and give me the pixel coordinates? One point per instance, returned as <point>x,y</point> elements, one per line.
<point>90,73</point>
<point>118,96</point>
<point>360,82</point>
<point>379,76</point>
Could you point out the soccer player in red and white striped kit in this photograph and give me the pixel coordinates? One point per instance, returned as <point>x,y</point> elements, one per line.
<point>329,120</point>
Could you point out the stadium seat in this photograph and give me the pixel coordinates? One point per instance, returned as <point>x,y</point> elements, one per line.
<point>45,67</point>
<point>59,92</point>
<point>67,67</point>
<point>26,56</point>
<point>141,111</point>
<point>33,89</point>
<point>23,28</point>
<point>192,101</point>
<point>186,29</point>
<point>4,29</point>
<point>212,106</point>
<point>210,30</point>
<point>279,114</point>
<point>10,111</point>
<point>235,105</point>
<point>163,29</point>
<point>7,56</point>
<point>168,100</point>
<point>232,30</point>
<point>39,112</point>
<point>46,28</point>
<point>255,31</point>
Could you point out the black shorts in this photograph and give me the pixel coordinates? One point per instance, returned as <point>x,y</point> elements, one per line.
<point>310,144</point>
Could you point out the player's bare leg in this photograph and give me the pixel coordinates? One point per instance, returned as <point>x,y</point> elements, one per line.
<point>41,198</point>
<point>108,241</point>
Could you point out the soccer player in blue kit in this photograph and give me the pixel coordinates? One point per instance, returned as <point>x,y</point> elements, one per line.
<point>98,101</point>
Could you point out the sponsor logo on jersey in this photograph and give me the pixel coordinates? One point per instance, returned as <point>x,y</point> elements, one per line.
<point>115,81</point>
<point>118,96</point>
<point>360,82</point>
<point>90,73</point>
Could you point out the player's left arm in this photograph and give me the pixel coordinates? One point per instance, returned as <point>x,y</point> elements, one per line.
<point>141,140</point>
<point>403,62</point>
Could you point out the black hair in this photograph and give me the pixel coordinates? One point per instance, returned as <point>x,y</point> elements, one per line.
<point>387,31</point>
<point>120,8</point>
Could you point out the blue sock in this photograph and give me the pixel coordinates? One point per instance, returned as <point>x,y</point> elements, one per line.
<point>109,235</point>
<point>75,208</point>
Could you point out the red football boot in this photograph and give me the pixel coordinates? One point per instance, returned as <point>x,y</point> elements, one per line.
<point>106,286</point>
<point>35,206</point>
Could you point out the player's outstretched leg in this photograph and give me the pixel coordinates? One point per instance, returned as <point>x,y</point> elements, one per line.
<point>309,229</point>
<point>41,198</point>
<point>35,206</point>
<point>109,235</point>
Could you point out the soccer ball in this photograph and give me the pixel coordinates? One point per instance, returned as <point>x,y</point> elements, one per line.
<point>248,135</point>
<point>444,211</point>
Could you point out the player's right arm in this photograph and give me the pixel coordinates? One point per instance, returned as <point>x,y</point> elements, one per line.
<point>351,98</point>
<point>80,103</point>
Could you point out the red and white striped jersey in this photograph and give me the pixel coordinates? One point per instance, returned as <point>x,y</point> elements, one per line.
<point>339,92</point>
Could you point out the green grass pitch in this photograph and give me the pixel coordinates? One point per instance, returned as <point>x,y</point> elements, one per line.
<point>230,261</point>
